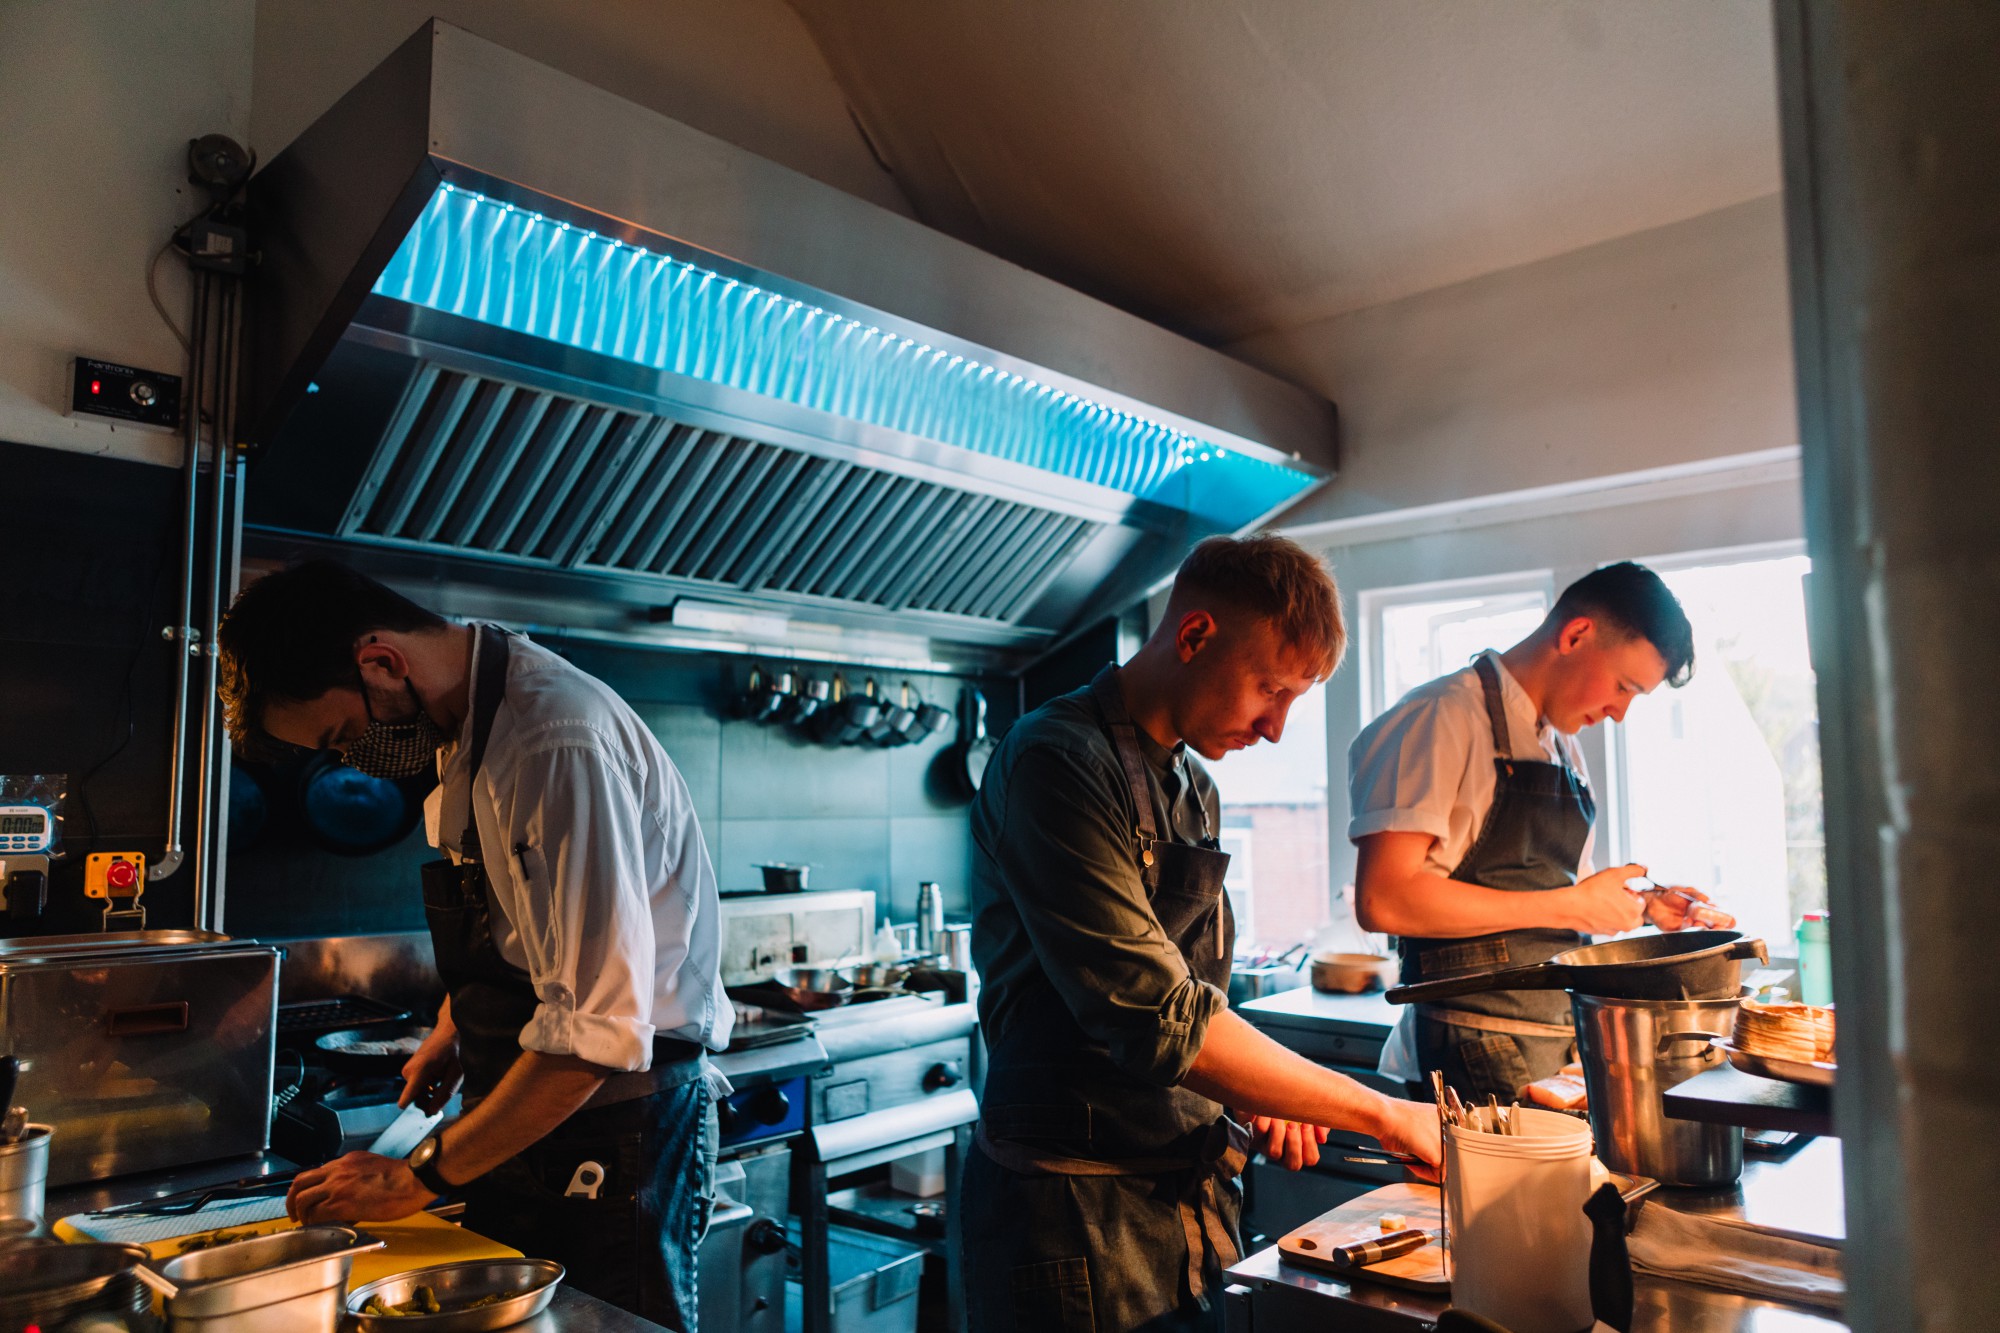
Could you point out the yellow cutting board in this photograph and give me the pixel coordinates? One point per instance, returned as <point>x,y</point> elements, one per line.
<point>414,1242</point>
<point>1361,1219</point>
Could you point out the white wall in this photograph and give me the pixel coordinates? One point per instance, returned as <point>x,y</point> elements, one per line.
<point>1630,399</point>
<point>1660,348</point>
<point>98,99</point>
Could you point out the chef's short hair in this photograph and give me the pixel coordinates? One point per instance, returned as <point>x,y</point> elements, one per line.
<point>1633,600</point>
<point>290,637</point>
<point>1273,578</point>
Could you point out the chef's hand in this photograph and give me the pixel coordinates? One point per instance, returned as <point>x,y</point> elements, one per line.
<point>360,1187</point>
<point>1601,904</point>
<point>433,1073</point>
<point>1677,907</point>
<point>1288,1141</point>
<point>1412,1127</point>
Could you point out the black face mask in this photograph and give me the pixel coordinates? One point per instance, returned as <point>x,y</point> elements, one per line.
<point>396,750</point>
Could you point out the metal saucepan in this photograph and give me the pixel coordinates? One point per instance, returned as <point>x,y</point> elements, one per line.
<point>783,876</point>
<point>1688,965</point>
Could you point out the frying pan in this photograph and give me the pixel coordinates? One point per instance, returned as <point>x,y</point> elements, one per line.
<point>1687,965</point>
<point>974,747</point>
<point>347,1052</point>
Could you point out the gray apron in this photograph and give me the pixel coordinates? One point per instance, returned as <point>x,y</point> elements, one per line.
<point>1532,841</point>
<point>1099,1201</point>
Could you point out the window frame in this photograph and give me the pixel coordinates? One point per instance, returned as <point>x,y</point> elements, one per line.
<point>1616,833</point>
<point>1371,603</point>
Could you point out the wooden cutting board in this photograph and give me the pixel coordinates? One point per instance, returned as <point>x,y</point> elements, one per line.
<point>415,1242</point>
<point>1361,1219</point>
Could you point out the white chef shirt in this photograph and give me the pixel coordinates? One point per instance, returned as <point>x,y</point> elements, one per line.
<point>602,888</point>
<point>1426,766</point>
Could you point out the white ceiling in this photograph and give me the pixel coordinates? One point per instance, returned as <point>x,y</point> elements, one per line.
<point>1231,167</point>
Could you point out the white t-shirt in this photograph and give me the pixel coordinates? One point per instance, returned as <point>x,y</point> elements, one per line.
<point>602,887</point>
<point>1426,766</point>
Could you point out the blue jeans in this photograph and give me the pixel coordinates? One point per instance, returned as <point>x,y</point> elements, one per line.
<point>620,1196</point>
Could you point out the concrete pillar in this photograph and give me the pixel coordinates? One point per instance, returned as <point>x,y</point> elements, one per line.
<point>1891,119</point>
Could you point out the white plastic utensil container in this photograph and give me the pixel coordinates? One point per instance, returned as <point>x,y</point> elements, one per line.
<point>1520,1243</point>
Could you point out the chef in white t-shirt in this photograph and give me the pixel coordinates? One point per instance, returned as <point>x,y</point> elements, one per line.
<point>1474,822</point>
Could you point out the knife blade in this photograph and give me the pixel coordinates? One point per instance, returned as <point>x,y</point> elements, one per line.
<point>405,1132</point>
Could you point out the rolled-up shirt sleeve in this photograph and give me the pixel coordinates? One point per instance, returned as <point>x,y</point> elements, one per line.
<point>581,907</point>
<point>1405,771</point>
<point>1067,854</point>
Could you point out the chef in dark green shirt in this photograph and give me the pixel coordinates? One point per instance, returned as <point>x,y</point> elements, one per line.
<point>1103,1192</point>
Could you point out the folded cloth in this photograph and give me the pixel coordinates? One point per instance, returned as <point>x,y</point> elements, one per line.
<point>1734,1256</point>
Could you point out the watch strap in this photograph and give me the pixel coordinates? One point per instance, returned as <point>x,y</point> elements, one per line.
<point>425,1166</point>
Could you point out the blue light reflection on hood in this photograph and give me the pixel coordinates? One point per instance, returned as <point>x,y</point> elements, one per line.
<point>483,259</point>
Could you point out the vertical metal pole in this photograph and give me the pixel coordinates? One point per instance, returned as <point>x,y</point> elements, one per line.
<point>209,816</point>
<point>178,633</point>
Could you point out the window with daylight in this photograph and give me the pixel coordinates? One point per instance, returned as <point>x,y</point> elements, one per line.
<point>1718,783</point>
<point>1416,634</point>
<point>1274,829</point>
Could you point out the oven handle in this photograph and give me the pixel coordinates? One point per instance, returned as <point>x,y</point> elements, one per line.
<point>148,1020</point>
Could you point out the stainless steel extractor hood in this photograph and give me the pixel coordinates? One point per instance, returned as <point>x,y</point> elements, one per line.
<point>524,338</point>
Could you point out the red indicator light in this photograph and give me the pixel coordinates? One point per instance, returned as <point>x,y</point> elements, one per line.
<point>97,386</point>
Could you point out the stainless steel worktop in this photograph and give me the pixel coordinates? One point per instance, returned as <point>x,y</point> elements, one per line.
<point>571,1311</point>
<point>1801,1195</point>
<point>1368,1015</point>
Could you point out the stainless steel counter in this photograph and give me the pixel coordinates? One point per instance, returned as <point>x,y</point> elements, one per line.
<point>1801,1195</point>
<point>1286,1298</point>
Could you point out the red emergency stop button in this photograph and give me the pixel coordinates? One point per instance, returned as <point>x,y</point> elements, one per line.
<point>121,875</point>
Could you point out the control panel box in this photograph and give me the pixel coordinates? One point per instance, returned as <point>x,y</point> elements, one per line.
<point>125,393</point>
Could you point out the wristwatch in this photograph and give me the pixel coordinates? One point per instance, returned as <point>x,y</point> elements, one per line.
<point>427,1162</point>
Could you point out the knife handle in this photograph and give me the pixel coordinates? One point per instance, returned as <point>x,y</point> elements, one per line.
<point>1362,1253</point>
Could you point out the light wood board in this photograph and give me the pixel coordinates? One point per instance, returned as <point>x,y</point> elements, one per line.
<point>1361,1219</point>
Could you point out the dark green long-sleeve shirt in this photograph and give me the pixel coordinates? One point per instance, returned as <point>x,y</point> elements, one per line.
<point>1056,895</point>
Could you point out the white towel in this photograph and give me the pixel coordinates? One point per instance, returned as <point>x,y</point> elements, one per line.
<point>1734,1256</point>
<point>145,1228</point>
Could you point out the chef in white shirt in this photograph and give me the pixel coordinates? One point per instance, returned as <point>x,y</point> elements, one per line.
<point>575,920</point>
<point>1474,823</point>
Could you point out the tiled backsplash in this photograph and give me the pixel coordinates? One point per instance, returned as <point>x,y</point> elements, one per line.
<point>863,817</point>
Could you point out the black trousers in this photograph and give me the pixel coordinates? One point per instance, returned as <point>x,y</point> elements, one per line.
<point>619,1196</point>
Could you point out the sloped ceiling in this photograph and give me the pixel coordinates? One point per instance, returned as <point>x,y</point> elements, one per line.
<point>1234,167</point>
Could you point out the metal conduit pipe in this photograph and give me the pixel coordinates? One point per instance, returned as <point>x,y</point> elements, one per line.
<point>209,815</point>
<point>181,632</point>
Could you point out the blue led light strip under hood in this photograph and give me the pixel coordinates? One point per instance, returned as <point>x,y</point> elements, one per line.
<point>516,269</point>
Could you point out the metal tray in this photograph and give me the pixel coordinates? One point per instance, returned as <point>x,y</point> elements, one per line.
<point>534,1279</point>
<point>1813,1073</point>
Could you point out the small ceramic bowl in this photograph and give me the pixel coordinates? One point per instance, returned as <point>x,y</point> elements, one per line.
<point>1352,973</point>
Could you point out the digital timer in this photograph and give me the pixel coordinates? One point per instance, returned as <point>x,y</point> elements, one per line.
<point>26,830</point>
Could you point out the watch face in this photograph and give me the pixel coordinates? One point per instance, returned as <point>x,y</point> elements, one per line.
<point>424,1151</point>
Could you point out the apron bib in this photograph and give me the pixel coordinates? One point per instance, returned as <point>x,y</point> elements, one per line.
<point>1131,1187</point>
<point>620,1192</point>
<point>1532,841</point>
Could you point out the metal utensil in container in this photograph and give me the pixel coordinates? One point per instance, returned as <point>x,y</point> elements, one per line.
<point>1633,1051</point>
<point>525,1285</point>
<point>286,1282</point>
